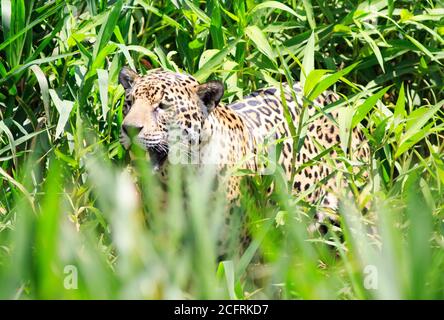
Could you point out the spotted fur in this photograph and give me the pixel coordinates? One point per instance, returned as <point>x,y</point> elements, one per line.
<point>226,135</point>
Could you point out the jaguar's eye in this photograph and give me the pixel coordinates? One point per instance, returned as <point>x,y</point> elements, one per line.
<point>163,106</point>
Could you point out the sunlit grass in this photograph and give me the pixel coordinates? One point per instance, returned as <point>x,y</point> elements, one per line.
<point>68,197</point>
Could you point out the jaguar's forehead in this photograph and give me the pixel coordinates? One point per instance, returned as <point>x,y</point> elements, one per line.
<point>161,83</point>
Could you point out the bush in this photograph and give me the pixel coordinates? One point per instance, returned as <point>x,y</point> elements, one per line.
<point>69,216</point>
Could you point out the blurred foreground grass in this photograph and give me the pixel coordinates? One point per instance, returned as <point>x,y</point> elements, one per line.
<point>70,223</point>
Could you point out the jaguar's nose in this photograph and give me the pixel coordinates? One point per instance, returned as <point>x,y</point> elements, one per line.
<point>131,130</point>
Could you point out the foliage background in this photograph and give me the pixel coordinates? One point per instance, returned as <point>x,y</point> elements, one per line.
<point>66,197</point>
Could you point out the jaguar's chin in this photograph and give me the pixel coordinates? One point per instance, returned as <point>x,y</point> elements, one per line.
<point>157,157</point>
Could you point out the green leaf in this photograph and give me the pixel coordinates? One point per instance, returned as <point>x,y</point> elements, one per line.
<point>46,235</point>
<point>21,68</point>
<point>257,36</point>
<point>400,104</point>
<point>21,140</point>
<point>142,50</point>
<point>103,90</point>
<point>226,268</point>
<point>6,14</point>
<point>107,29</point>
<point>368,104</point>
<point>43,83</point>
<point>412,139</point>
<point>199,13</point>
<point>375,48</point>
<point>329,81</point>
<point>405,15</point>
<point>308,61</point>
<point>399,113</point>
<point>69,160</point>
<point>64,108</point>
<point>342,28</point>
<point>31,25</point>
<point>212,64</point>
<point>414,133</point>
<point>276,5</point>
<point>313,79</point>
<point>206,56</point>
<point>309,13</point>
<point>19,186</point>
<point>12,144</point>
<point>160,14</point>
<point>217,36</point>
<point>422,48</point>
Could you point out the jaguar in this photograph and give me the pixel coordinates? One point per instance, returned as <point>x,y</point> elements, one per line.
<point>164,109</point>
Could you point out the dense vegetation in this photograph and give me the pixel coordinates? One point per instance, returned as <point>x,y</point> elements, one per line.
<point>67,200</point>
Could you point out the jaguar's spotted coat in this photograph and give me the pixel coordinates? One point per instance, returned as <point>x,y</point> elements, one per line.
<point>226,134</point>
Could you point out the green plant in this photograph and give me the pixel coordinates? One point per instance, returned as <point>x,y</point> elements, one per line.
<point>66,192</point>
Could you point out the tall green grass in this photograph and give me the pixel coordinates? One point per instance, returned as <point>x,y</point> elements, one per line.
<point>71,223</point>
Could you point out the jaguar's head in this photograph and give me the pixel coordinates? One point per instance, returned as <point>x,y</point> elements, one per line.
<point>162,107</point>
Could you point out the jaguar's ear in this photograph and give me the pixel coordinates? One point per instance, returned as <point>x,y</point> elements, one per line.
<point>127,77</point>
<point>210,93</point>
